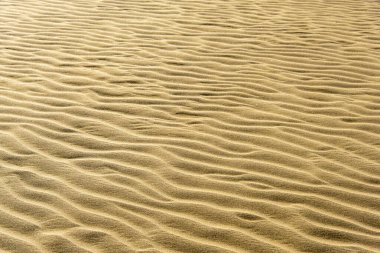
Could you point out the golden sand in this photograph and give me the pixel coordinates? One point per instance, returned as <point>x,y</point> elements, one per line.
<point>189,126</point>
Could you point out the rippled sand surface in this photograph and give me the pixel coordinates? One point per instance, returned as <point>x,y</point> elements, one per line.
<point>189,126</point>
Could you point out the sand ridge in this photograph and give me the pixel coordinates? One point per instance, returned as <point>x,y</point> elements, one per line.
<point>189,126</point>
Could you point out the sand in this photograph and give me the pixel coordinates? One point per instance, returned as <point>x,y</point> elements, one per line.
<point>189,126</point>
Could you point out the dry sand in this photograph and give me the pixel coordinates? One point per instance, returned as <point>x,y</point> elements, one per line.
<point>189,126</point>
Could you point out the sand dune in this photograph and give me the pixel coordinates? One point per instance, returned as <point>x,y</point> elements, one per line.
<point>189,126</point>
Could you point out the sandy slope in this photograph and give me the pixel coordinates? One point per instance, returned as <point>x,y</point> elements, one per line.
<point>189,126</point>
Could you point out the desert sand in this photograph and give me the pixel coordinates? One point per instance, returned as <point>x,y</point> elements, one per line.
<point>189,126</point>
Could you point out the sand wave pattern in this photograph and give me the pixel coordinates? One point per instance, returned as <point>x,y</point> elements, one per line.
<point>189,126</point>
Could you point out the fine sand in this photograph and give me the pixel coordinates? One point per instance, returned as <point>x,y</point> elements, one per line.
<point>189,126</point>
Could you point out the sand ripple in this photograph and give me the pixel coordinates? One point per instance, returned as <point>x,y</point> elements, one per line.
<point>189,126</point>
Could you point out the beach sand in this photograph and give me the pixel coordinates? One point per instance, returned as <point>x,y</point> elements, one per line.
<point>189,126</point>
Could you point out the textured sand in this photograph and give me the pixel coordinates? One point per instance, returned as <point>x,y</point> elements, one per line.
<point>189,126</point>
